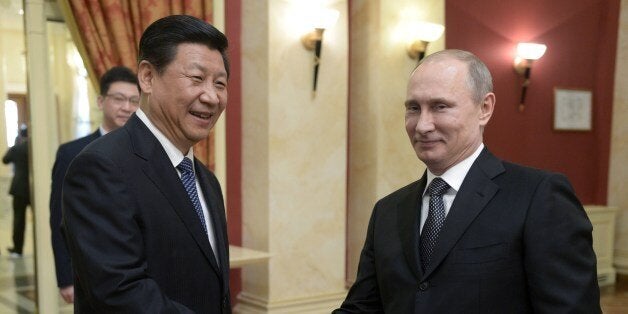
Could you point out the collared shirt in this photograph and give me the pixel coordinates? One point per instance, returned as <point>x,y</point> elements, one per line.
<point>175,156</point>
<point>102,130</point>
<point>454,177</point>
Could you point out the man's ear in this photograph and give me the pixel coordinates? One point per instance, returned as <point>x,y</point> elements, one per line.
<point>486,109</point>
<point>145,74</point>
<point>100,101</point>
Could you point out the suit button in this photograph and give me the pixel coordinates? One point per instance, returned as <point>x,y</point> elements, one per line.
<point>424,286</point>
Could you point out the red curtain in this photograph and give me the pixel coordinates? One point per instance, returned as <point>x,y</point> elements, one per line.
<point>107,33</point>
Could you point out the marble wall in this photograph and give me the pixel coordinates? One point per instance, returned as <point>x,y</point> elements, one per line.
<point>294,160</point>
<point>381,158</point>
<point>618,172</point>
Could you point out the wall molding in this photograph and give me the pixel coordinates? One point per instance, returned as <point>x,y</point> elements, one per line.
<point>621,261</point>
<point>322,303</point>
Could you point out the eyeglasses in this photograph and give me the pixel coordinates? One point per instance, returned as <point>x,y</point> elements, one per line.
<point>120,99</point>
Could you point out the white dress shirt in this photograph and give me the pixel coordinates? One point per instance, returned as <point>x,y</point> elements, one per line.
<point>176,157</point>
<point>454,177</point>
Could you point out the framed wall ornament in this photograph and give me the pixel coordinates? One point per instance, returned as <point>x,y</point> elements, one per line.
<point>572,109</point>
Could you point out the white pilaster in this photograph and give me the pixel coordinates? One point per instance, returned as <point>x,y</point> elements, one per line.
<point>43,144</point>
<point>294,155</point>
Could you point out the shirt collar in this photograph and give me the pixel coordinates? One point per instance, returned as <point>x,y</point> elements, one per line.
<point>456,174</point>
<point>174,154</point>
<point>102,130</point>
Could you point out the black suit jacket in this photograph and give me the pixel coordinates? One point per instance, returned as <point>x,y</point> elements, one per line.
<point>18,155</point>
<point>136,243</point>
<point>516,240</point>
<point>65,154</point>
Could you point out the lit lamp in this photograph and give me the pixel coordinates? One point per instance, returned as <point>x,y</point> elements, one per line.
<point>420,35</point>
<point>526,54</point>
<point>313,40</point>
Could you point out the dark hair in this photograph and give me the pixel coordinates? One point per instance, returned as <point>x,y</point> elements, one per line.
<point>160,40</point>
<point>117,74</point>
<point>23,130</point>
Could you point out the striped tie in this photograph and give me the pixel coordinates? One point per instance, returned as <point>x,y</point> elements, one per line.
<point>189,183</point>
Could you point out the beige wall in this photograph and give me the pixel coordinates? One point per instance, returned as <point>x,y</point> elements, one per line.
<point>618,172</point>
<point>14,60</point>
<point>12,78</point>
<point>381,158</point>
<point>294,160</point>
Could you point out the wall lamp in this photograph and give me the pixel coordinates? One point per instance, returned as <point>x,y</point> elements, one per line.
<point>527,53</point>
<point>321,20</point>
<point>420,34</point>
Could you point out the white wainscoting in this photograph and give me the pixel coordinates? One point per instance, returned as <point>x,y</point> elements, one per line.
<point>603,220</point>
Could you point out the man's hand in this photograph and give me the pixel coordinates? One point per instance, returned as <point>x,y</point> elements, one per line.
<point>67,293</point>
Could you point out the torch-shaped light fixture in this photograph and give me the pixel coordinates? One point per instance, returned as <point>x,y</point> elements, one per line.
<point>527,53</point>
<point>313,40</point>
<point>420,34</point>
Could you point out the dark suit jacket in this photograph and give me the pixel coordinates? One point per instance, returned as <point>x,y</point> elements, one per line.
<point>65,154</point>
<point>136,243</point>
<point>18,155</point>
<point>516,240</point>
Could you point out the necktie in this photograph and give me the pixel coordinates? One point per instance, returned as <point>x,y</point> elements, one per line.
<point>189,183</point>
<point>434,221</point>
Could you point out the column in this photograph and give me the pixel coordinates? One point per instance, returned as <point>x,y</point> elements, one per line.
<point>618,168</point>
<point>294,156</point>
<point>43,145</point>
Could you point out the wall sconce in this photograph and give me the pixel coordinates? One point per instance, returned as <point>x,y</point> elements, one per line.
<point>420,34</point>
<point>527,53</point>
<point>313,40</point>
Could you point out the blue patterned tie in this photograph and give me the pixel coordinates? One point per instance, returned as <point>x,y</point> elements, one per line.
<point>434,222</point>
<point>189,183</point>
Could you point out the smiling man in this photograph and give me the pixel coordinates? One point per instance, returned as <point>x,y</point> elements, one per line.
<point>145,221</point>
<point>474,234</point>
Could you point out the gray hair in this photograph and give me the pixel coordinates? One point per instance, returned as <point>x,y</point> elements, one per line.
<point>479,79</point>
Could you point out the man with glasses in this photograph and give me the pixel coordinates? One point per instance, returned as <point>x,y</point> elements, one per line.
<point>119,99</point>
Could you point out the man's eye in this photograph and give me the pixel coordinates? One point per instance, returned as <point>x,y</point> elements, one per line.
<point>119,99</point>
<point>195,78</point>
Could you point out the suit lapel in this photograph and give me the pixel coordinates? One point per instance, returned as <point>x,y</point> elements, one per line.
<point>476,191</point>
<point>160,171</point>
<point>94,135</point>
<point>408,219</point>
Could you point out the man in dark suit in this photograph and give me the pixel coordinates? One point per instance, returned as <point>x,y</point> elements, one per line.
<point>20,189</point>
<point>475,234</point>
<point>119,98</point>
<point>145,221</point>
